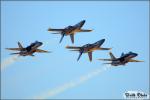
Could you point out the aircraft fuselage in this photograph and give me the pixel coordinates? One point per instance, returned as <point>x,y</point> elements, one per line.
<point>73,29</point>
<point>29,50</point>
<point>92,47</point>
<point>124,59</point>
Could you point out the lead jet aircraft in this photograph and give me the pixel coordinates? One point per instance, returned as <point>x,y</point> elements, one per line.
<point>29,50</point>
<point>88,48</point>
<point>122,60</point>
<point>70,30</point>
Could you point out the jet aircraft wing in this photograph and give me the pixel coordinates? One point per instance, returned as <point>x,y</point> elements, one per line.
<point>132,60</point>
<point>104,48</point>
<point>41,51</point>
<point>85,30</point>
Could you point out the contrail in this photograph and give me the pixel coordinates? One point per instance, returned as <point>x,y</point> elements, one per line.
<point>8,61</point>
<point>72,83</point>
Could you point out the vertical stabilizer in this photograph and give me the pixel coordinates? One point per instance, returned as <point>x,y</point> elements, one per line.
<point>112,56</point>
<point>20,46</point>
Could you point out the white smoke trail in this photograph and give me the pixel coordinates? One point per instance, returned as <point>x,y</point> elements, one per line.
<point>8,61</point>
<point>72,84</point>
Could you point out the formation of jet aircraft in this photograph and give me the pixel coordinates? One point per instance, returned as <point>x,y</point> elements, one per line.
<point>122,60</point>
<point>70,30</point>
<point>88,48</point>
<point>29,50</point>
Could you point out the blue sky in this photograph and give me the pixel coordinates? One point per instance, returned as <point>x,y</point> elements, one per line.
<point>124,25</point>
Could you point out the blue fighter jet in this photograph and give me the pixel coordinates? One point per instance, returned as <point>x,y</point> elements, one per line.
<point>88,48</point>
<point>29,50</point>
<point>122,60</point>
<point>70,30</point>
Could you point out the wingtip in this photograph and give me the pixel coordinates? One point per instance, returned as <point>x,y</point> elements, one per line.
<point>83,21</point>
<point>7,48</point>
<point>49,29</point>
<point>98,59</point>
<point>91,30</point>
<point>141,61</point>
<point>110,48</point>
<point>67,46</point>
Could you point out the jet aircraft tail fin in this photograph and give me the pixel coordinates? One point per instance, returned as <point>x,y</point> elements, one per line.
<point>72,38</point>
<point>112,56</point>
<point>79,56</point>
<point>90,56</point>
<point>62,36</point>
<point>122,54</point>
<point>20,46</point>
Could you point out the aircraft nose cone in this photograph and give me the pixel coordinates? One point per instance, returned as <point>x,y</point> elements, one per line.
<point>103,40</point>
<point>83,21</point>
<point>40,43</point>
<point>100,42</point>
<point>135,54</point>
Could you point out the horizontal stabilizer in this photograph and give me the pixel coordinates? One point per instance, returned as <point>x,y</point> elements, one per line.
<point>16,49</point>
<point>50,29</point>
<point>74,50</point>
<point>72,47</point>
<point>106,63</point>
<point>55,33</point>
<point>105,59</point>
<point>14,53</point>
